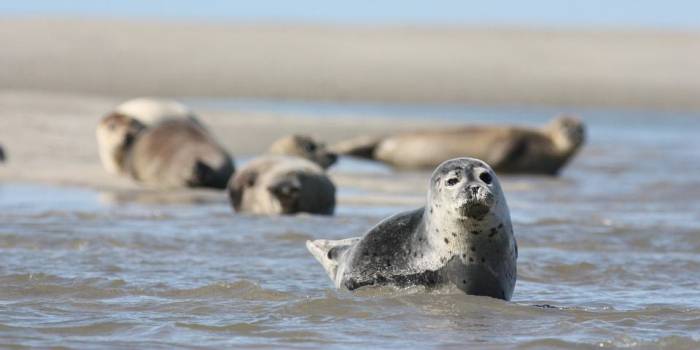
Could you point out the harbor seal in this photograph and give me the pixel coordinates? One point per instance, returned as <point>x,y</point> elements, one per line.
<point>274,184</point>
<point>2,155</point>
<point>463,237</point>
<point>173,153</point>
<point>507,149</point>
<point>304,147</point>
<point>151,111</point>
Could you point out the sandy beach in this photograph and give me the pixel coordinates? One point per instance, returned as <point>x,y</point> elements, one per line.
<point>488,66</point>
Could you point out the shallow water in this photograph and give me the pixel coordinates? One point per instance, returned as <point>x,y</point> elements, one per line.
<point>609,257</point>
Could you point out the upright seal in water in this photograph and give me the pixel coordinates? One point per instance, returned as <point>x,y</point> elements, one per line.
<point>508,149</point>
<point>304,147</point>
<point>463,236</point>
<point>173,153</point>
<point>282,185</point>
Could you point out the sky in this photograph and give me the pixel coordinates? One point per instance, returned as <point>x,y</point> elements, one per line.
<point>675,14</point>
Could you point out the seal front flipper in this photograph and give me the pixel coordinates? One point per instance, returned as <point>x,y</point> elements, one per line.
<point>330,254</point>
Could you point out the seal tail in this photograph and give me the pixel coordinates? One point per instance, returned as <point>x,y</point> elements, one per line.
<point>329,254</point>
<point>362,147</point>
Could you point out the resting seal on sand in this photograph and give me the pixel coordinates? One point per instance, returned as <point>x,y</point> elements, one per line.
<point>304,147</point>
<point>463,236</point>
<point>507,149</point>
<point>282,185</point>
<point>151,111</point>
<point>2,154</point>
<point>173,153</point>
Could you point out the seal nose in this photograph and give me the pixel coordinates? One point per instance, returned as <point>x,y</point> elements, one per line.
<point>472,191</point>
<point>332,158</point>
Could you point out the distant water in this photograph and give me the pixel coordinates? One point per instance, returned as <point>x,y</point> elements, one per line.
<point>609,257</point>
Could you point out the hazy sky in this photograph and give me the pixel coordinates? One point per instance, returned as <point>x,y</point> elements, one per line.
<point>587,13</point>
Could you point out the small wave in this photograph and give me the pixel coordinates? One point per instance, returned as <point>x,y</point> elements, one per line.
<point>245,290</point>
<point>92,329</point>
<point>19,286</point>
<point>292,236</point>
<point>670,342</point>
<point>237,328</point>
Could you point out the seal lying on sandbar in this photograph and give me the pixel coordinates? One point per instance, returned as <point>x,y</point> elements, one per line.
<point>173,153</point>
<point>304,147</point>
<point>507,149</point>
<point>2,154</point>
<point>463,236</point>
<point>274,184</point>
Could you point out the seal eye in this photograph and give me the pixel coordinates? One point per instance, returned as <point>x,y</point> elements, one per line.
<point>310,147</point>
<point>452,181</point>
<point>486,178</point>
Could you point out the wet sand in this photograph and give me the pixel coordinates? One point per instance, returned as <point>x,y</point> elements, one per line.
<point>635,68</point>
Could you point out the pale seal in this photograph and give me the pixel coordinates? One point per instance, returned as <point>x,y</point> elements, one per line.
<point>304,147</point>
<point>173,153</point>
<point>463,237</point>
<point>507,149</point>
<point>151,111</point>
<point>274,185</point>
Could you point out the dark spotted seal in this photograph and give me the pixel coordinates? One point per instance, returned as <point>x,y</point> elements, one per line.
<point>507,149</point>
<point>463,236</point>
<point>282,185</point>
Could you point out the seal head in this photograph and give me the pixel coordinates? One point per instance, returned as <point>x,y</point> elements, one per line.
<point>285,185</point>
<point>304,147</point>
<point>116,134</point>
<point>470,191</point>
<point>567,133</point>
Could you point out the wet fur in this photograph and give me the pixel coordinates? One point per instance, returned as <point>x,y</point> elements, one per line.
<point>179,153</point>
<point>431,246</point>
<point>274,185</point>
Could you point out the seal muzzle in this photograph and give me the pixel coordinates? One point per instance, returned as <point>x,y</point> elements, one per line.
<point>479,202</point>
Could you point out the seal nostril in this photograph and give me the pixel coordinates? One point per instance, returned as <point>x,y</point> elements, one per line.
<point>486,178</point>
<point>474,189</point>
